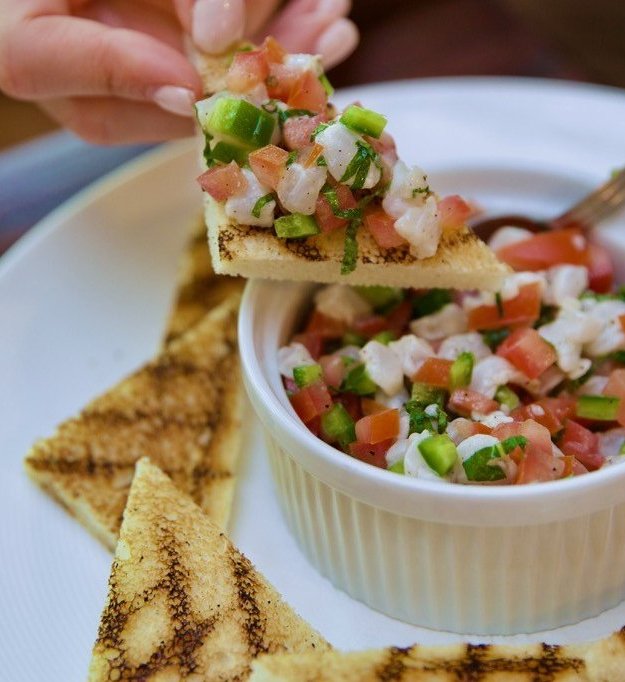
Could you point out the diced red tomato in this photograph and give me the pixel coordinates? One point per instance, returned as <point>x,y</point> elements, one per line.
<point>312,341</point>
<point>537,466</point>
<point>546,249</point>
<point>370,406</point>
<point>562,408</point>
<point>539,413</point>
<point>314,425</point>
<point>382,228</point>
<point>464,401</point>
<point>460,429</point>
<point>378,427</point>
<point>371,454</point>
<point>273,51</point>
<point>398,318</point>
<point>600,269</point>
<point>351,402</point>
<point>616,387</point>
<point>385,146</point>
<point>311,401</point>
<point>326,327</point>
<point>281,80</point>
<point>324,216</point>
<point>453,212</point>
<point>573,467</point>
<point>248,69</point>
<point>333,369</point>
<point>222,182</point>
<point>268,164</point>
<point>298,129</point>
<point>582,444</point>
<point>535,433</point>
<point>307,92</point>
<point>527,350</point>
<point>523,309</point>
<point>370,326</point>
<point>434,371</point>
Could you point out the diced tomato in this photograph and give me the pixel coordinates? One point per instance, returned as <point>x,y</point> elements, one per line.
<point>311,401</point>
<point>523,309</point>
<point>546,249</point>
<point>326,219</point>
<point>312,341</point>
<point>535,433</point>
<point>453,212</point>
<point>460,429</point>
<point>600,269</point>
<point>371,454</point>
<point>370,326</point>
<point>248,69</point>
<point>527,350</point>
<point>326,327</point>
<point>273,51</point>
<point>398,318</point>
<point>616,387</point>
<point>464,401</point>
<point>539,413</point>
<point>582,444</point>
<point>537,466</point>
<point>268,164</point>
<point>308,92</point>
<point>562,408</point>
<point>621,321</point>
<point>281,80</point>
<point>382,228</point>
<point>385,146</point>
<point>370,406</point>
<point>312,154</point>
<point>314,425</point>
<point>298,129</point>
<point>572,467</point>
<point>351,402</point>
<point>378,427</point>
<point>222,182</point>
<point>333,369</point>
<point>434,371</point>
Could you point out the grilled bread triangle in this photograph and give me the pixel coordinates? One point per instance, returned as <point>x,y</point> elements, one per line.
<point>183,602</point>
<point>198,288</point>
<point>183,409</point>
<point>462,261</point>
<point>600,661</point>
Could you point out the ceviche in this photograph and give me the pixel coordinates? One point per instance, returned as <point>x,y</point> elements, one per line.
<point>281,157</point>
<point>519,386</point>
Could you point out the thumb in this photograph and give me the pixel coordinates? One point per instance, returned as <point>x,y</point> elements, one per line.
<point>213,24</point>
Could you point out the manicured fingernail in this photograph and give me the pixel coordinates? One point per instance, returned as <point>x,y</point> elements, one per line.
<point>217,24</point>
<point>175,100</point>
<point>337,42</point>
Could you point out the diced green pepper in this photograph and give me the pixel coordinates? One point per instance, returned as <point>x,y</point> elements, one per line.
<point>381,297</point>
<point>384,337</point>
<point>424,395</point>
<point>296,226</point>
<point>226,152</point>
<point>353,339</point>
<point>398,467</point>
<point>440,453</point>
<point>305,375</point>
<point>338,425</point>
<point>238,122</point>
<point>477,467</point>
<point>358,381</point>
<point>598,407</point>
<point>506,396</point>
<point>363,120</point>
<point>461,371</point>
<point>431,302</point>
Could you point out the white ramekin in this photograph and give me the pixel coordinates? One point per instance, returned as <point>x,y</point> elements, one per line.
<point>470,559</point>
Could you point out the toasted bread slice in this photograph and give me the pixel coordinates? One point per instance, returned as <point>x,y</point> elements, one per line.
<point>183,409</point>
<point>600,661</point>
<point>183,602</point>
<point>462,261</point>
<point>198,289</point>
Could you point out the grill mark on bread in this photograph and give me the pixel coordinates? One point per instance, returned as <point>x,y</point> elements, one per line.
<point>394,667</point>
<point>246,588</point>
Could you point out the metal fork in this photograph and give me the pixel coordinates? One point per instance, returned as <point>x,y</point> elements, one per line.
<point>585,214</point>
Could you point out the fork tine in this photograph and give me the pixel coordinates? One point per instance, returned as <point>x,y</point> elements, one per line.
<point>597,205</point>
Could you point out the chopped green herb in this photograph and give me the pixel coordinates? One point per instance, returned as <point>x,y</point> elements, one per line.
<point>430,302</point>
<point>321,161</point>
<point>508,445</point>
<point>420,190</point>
<point>319,129</point>
<point>350,248</point>
<point>327,86</point>
<point>499,304</point>
<point>618,295</point>
<point>291,158</point>
<point>358,168</point>
<point>619,356</point>
<point>285,114</point>
<point>331,197</point>
<point>547,314</point>
<point>208,152</point>
<point>261,203</point>
<point>421,421</point>
<point>494,337</point>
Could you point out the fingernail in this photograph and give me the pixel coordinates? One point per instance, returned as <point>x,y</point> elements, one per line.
<point>333,9</point>
<point>217,24</point>
<point>337,42</point>
<point>174,99</point>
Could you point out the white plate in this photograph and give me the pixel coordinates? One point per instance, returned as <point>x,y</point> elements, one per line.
<point>84,297</point>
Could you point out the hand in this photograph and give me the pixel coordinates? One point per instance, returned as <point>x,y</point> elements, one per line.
<point>115,71</point>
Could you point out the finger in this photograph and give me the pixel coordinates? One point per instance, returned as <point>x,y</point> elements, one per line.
<point>301,23</point>
<point>337,42</point>
<point>107,120</point>
<point>213,24</point>
<point>258,13</point>
<point>55,56</point>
